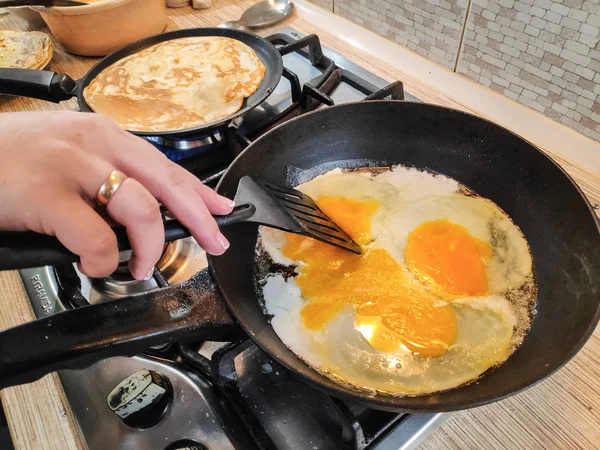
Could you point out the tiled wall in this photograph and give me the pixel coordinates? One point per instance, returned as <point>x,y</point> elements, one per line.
<point>431,28</point>
<point>540,53</point>
<point>544,54</point>
<point>327,4</point>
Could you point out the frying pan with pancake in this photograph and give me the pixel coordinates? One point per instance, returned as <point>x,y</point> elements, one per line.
<point>556,219</point>
<point>55,87</point>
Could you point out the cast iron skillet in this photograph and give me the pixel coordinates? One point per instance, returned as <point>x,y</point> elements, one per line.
<point>542,200</point>
<point>56,87</point>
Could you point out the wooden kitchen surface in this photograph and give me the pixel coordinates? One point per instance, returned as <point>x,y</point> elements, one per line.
<point>561,412</point>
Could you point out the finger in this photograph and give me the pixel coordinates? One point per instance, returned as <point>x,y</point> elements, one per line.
<point>135,208</point>
<point>170,184</point>
<point>175,176</point>
<point>81,230</point>
<point>131,206</point>
<point>178,191</point>
<point>188,207</point>
<point>155,166</point>
<point>216,204</point>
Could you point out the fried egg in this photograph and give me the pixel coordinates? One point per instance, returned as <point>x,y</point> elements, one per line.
<point>429,304</point>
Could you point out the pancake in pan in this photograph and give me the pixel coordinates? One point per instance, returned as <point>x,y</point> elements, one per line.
<point>177,84</point>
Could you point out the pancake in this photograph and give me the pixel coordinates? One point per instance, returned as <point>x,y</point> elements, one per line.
<point>178,84</point>
<point>25,49</point>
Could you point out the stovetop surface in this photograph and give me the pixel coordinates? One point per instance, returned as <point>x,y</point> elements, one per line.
<point>232,395</point>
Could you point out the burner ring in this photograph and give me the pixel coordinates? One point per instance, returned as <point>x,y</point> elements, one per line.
<point>180,261</point>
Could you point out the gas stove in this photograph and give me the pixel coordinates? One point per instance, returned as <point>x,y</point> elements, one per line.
<point>214,395</point>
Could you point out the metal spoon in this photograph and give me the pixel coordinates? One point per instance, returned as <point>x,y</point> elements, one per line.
<point>262,14</point>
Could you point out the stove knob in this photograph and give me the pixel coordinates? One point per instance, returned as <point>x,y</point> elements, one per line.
<point>141,399</point>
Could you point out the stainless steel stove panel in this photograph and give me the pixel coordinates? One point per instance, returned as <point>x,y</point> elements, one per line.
<point>42,289</point>
<point>195,414</point>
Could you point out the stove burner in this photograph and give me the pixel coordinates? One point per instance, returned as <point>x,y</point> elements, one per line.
<point>178,149</point>
<point>186,144</point>
<point>180,260</point>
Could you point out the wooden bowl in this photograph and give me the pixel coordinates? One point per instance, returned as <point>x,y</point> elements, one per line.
<point>104,26</point>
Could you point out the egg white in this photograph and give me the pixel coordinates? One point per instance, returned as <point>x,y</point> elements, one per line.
<point>511,261</point>
<point>485,331</point>
<point>407,198</point>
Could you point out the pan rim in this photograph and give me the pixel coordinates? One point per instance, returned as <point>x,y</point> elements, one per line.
<point>391,402</point>
<point>270,83</point>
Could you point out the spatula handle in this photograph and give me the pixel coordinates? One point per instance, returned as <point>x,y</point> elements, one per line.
<point>25,249</point>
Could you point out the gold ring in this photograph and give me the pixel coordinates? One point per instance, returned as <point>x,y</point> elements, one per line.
<point>110,186</point>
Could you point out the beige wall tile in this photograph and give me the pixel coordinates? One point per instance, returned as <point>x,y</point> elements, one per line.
<point>431,28</point>
<point>327,4</point>
<point>544,54</point>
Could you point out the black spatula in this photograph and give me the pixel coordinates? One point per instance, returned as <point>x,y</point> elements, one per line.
<point>263,203</point>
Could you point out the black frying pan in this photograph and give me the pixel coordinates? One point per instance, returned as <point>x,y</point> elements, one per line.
<point>556,219</point>
<point>56,87</point>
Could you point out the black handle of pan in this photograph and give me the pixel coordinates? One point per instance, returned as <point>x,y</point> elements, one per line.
<point>80,337</point>
<point>46,3</point>
<point>40,84</point>
<point>26,249</point>
<point>12,3</point>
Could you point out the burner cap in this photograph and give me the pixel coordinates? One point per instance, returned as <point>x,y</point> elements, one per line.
<point>180,261</point>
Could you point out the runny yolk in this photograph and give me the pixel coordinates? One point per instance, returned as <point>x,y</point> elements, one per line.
<point>445,254</point>
<point>353,216</point>
<point>391,309</point>
<point>355,219</point>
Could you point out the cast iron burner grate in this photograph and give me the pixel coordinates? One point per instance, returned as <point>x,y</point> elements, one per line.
<point>280,411</point>
<point>235,137</point>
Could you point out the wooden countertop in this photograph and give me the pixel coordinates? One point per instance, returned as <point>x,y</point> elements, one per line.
<point>561,412</point>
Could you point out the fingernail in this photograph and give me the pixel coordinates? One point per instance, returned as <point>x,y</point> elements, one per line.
<point>223,241</point>
<point>226,201</point>
<point>150,275</point>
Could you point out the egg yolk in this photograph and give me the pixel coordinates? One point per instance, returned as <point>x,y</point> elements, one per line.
<point>445,254</point>
<point>391,309</point>
<point>353,216</point>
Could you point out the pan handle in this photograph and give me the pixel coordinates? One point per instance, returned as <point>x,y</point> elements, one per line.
<point>41,84</point>
<point>80,337</point>
<point>25,249</point>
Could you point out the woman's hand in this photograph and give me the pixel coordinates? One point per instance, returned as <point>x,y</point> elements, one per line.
<point>53,164</point>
